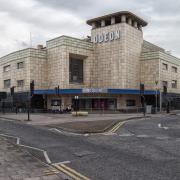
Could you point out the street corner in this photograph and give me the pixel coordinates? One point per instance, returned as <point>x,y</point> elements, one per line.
<point>19,164</point>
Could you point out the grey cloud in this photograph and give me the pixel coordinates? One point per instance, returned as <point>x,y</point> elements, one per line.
<point>163,17</point>
<point>72,5</point>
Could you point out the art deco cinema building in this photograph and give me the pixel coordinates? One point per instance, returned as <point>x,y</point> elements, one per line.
<point>105,70</point>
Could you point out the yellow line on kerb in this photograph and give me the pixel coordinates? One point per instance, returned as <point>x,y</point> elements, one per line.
<point>116,127</point>
<point>70,172</point>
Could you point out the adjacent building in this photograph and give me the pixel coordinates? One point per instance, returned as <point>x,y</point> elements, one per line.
<point>104,70</point>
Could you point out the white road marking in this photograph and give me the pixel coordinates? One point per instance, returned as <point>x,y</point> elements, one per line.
<point>162,138</point>
<point>126,135</point>
<point>65,133</point>
<point>109,134</point>
<point>162,127</point>
<point>30,147</point>
<point>143,136</point>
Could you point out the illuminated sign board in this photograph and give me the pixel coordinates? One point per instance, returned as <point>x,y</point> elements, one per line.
<point>93,90</point>
<point>105,37</point>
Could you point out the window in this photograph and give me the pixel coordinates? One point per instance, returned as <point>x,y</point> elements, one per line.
<point>20,83</point>
<point>164,83</point>
<point>7,83</point>
<point>75,70</point>
<point>174,69</point>
<point>130,102</point>
<point>20,65</point>
<point>6,68</point>
<point>55,102</point>
<point>164,66</point>
<point>174,84</point>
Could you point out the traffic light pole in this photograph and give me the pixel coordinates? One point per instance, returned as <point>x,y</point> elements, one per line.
<point>142,98</point>
<point>29,98</point>
<point>28,113</point>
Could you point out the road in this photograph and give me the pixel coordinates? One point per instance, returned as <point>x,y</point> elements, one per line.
<point>143,149</point>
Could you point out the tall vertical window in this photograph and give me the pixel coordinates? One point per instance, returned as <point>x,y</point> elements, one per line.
<point>20,65</point>
<point>7,83</point>
<point>174,69</point>
<point>174,84</point>
<point>75,70</point>
<point>164,66</point>
<point>20,83</point>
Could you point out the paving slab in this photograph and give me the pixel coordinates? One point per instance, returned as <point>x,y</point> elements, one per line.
<point>17,164</point>
<point>46,118</point>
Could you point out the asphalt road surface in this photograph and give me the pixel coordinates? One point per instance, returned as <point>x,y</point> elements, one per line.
<point>144,149</point>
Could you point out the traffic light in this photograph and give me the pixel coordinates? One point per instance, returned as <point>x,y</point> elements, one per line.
<point>57,90</point>
<point>165,90</point>
<point>142,89</point>
<point>12,90</point>
<point>32,88</point>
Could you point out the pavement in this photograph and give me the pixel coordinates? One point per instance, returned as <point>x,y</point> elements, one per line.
<point>93,123</point>
<point>46,118</point>
<point>17,164</point>
<point>145,148</point>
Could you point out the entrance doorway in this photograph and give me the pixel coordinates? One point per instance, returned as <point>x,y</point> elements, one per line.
<point>97,103</point>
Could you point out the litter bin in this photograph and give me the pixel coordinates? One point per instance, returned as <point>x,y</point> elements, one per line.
<point>148,109</point>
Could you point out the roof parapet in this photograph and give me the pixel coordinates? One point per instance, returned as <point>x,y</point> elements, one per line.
<point>118,17</point>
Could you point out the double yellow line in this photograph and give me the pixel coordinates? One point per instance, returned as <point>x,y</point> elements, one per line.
<point>70,172</point>
<point>51,172</point>
<point>116,127</point>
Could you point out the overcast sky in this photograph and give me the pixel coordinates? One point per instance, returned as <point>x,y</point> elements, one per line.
<point>47,19</point>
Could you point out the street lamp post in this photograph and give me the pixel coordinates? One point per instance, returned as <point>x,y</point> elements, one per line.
<point>76,103</point>
<point>156,82</point>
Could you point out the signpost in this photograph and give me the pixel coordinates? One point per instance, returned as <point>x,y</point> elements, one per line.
<point>76,103</point>
<point>30,97</point>
<point>142,98</point>
<point>156,82</point>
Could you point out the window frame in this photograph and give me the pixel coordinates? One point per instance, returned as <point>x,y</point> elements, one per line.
<point>76,69</point>
<point>175,69</point>
<point>4,67</point>
<point>5,87</point>
<point>172,84</point>
<point>130,103</point>
<point>165,65</point>
<point>18,65</point>
<point>58,102</point>
<point>21,80</point>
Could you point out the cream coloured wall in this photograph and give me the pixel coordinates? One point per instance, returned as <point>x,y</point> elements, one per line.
<point>152,70</point>
<point>117,62</point>
<point>58,52</point>
<point>34,68</point>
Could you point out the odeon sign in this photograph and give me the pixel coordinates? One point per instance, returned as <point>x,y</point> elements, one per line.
<point>105,37</point>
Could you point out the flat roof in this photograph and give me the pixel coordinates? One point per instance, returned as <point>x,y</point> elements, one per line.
<point>118,14</point>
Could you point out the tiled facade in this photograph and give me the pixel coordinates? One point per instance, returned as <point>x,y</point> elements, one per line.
<point>116,60</point>
<point>34,67</point>
<point>152,70</point>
